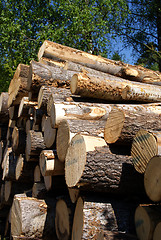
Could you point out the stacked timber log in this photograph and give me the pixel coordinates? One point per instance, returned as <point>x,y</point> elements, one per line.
<point>72,127</point>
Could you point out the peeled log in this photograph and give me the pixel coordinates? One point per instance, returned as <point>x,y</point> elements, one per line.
<point>146,219</point>
<point>91,165</point>
<point>157,232</point>
<point>56,51</point>
<point>146,144</point>
<point>40,74</point>
<point>91,217</point>
<point>34,143</point>
<point>113,88</point>
<point>122,125</point>
<point>152,179</point>
<point>33,218</point>
<point>50,164</point>
<point>18,85</point>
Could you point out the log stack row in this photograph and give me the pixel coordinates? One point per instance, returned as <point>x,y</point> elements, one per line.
<point>69,125</point>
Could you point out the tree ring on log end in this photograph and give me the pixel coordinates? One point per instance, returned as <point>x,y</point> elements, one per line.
<point>152,179</point>
<point>114,125</point>
<point>75,160</point>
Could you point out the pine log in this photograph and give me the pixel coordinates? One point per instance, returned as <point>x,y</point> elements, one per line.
<point>56,51</point>
<point>69,127</point>
<point>37,174</point>
<point>90,164</point>
<point>146,144</point>
<point>157,232</point>
<point>122,125</point>
<point>146,219</point>
<point>152,179</point>
<point>13,112</point>
<point>24,171</point>
<point>64,214</point>
<point>18,141</point>
<point>91,217</point>
<point>49,133</point>
<point>34,143</point>
<point>33,218</point>
<point>18,85</point>
<point>40,74</point>
<point>113,88</point>
<point>50,164</point>
<point>24,107</point>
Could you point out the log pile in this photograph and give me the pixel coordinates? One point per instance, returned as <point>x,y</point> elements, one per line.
<point>77,131</point>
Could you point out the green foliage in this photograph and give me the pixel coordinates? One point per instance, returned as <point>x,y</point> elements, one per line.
<point>83,24</point>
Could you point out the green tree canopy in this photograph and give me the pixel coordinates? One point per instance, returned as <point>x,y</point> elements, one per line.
<point>83,24</point>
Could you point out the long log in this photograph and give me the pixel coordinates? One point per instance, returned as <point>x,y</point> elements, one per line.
<point>146,144</point>
<point>50,164</point>
<point>91,217</point>
<point>157,232</point>
<point>40,74</point>
<point>146,219</point>
<point>122,125</point>
<point>90,165</point>
<point>56,51</point>
<point>152,179</point>
<point>33,218</point>
<point>113,89</point>
<point>18,85</point>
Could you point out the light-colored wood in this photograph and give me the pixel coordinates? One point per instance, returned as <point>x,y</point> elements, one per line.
<point>34,143</point>
<point>24,107</point>
<point>55,51</point>
<point>113,88</point>
<point>152,179</point>
<point>4,101</point>
<point>18,140</point>
<point>122,125</point>
<point>43,97</point>
<point>146,219</point>
<point>9,167</point>
<point>31,217</point>
<point>89,164</point>
<point>89,218</point>
<point>157,232</point>
<point>49,133</point>
<point>64,218</point>
<point>146,144</point>
<point>38,190</point>
<point>37,174</point>
<point>50,164</point>
<point>18,85</point>
<point>44,117</point>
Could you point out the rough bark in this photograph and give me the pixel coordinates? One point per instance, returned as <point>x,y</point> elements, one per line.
<point>33,218</point>
<point>146,219</point>
<point>34,143</point>
<point>146,144</point>
<point>113,88</point>
<point>56,51</point>
<point>50,164</point>
<point>91,165</point>
<point>152,179</point>
<point>122,125</point>
<point>18,85</point>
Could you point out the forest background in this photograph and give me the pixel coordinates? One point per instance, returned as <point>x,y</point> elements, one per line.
<point>110,28</point>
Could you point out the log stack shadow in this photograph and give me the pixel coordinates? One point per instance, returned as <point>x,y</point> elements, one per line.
<point>80,136</point>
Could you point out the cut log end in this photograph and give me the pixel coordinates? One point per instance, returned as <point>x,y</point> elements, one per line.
<point>114,125</point>
<point>144,147</point>
<point>62,223</point>
<point>73,84</point>
<point>152,179</point>
<point>77,228</point>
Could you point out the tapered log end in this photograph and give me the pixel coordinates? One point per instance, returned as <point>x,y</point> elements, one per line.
<point>77,229</point>
<point>62,140</point>
<point>114,125</point>
<point>157,232</point>
<point>74,84</point>
<point>142,223</point>
<point>75,160</point>
<point>144,147</point>
<point>62,222</point>
<point>152,179</point>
